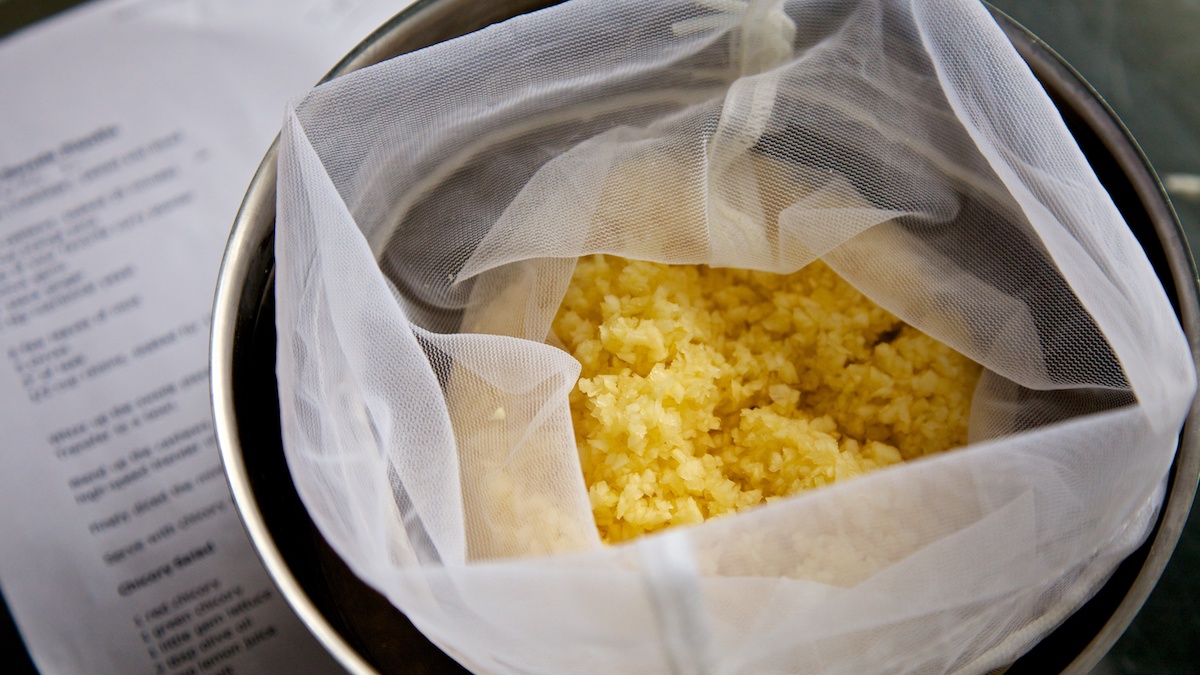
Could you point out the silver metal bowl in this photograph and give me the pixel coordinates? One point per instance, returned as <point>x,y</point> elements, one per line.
<point>366,634</point>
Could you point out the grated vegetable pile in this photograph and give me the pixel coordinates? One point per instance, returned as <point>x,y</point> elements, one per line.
<point>706,391</point>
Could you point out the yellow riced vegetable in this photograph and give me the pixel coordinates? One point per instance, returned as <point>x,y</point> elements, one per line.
<point>706,391</point>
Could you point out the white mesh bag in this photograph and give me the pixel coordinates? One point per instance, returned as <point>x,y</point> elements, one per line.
<point>430,213</point>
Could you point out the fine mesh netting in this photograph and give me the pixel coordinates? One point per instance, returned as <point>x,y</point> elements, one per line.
<point>430,213</point>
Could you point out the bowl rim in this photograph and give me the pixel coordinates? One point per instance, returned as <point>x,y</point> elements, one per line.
<point>253,228</point>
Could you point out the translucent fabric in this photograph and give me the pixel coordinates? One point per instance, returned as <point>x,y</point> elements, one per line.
<point>430,213</point>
